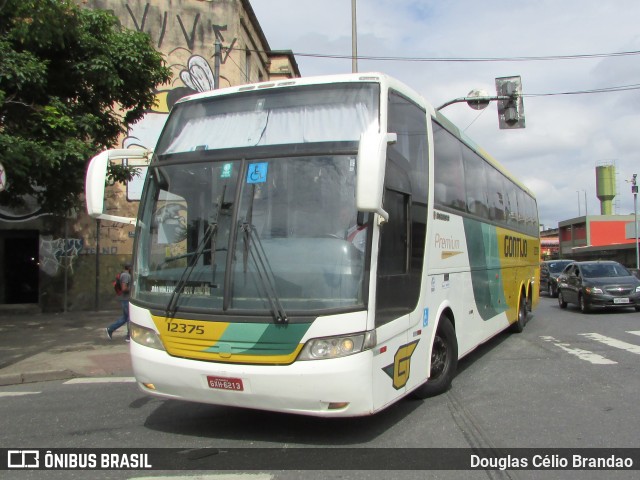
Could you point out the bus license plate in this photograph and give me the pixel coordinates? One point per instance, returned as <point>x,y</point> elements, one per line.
<point>620,300</point>
<point>224,383</point>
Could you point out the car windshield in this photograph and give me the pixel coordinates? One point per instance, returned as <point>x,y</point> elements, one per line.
<point>557,267</point>
<point>602,270</point>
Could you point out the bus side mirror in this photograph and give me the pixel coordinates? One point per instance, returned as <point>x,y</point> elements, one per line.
<point>96,179</point>
<point>372,155</point>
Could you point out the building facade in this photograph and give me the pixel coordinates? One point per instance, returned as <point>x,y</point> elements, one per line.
<point>604,237</point>
<point>61,264</point>
<point>549,244</point>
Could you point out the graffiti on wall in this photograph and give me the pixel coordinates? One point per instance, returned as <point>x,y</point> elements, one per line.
<point>58,253</point>
<point>188,27</point>
<point>196,77</point>
<point>191,36</point>
<point>193,72</point>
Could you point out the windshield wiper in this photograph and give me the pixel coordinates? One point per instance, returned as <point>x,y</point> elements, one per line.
<point>210,235</point>
<point>212,229</point>
<point>253,248</point>
<point>185,255</point>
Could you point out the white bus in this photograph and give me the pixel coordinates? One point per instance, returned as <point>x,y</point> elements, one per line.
<point>321,246</point>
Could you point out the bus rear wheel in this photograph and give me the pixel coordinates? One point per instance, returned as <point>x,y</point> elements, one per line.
<point>518,325</point>
<point>444,361</point>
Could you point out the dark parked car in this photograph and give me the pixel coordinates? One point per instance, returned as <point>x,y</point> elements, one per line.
<point>549,272</point>
<point>601,284</point>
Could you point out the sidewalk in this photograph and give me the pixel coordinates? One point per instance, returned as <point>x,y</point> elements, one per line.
<point>36,347</point>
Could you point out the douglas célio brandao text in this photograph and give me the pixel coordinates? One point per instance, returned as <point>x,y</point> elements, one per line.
<point>551,462</point>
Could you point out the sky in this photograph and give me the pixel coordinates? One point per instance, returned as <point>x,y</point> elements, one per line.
<point>566,136</point>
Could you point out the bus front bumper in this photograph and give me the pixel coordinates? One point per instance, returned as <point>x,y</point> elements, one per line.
<point>328,388</point>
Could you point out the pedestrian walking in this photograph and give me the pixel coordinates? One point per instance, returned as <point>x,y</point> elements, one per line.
<point>124,281</point>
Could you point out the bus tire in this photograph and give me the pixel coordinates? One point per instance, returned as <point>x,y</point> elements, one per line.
<point>444,361</point>
<point>518,325</point>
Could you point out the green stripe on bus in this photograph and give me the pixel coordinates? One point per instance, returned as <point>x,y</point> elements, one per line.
<point>486,275</point>
<point>263,339</point>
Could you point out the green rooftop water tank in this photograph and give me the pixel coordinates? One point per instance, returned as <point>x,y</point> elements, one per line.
<point>606,187</point>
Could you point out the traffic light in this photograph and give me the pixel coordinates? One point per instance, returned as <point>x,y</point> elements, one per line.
<point>510,110</point>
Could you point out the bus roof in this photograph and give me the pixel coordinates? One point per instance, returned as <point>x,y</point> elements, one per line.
<point>383,79</point>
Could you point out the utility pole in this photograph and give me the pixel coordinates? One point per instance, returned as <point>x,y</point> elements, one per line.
<point>216,65</point>
<point>634,190</point>
<point>586,208</point>
<point>97,292</point>
<point>354,38</point>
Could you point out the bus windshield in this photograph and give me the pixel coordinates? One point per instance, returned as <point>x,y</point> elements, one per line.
<point>249,206</point>
<point>243,236</point>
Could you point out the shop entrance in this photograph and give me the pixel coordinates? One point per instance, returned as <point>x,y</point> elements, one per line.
<point>19,267</point>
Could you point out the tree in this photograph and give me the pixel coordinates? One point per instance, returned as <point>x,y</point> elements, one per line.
<point>71,81</point>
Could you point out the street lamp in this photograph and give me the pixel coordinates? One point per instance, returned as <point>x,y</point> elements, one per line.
<point>578,192</point>
<point>586,210</point>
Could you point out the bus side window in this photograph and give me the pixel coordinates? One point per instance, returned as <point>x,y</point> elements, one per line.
<point>496,195</point>
<point>448,170</point>
<point>475,183</point>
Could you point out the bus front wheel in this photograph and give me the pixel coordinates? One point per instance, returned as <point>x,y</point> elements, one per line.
<point>444,361</point>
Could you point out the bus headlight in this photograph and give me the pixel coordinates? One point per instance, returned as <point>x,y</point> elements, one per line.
<point>336,347</point>
<point>145,336</point>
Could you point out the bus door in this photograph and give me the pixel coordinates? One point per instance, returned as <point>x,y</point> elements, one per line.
<point>394,301</point>
<point>401,252</point>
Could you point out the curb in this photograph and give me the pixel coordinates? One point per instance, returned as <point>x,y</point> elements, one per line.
<point>33,377</point>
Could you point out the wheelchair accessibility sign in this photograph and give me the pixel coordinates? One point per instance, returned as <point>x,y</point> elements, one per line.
<point>257,172</point>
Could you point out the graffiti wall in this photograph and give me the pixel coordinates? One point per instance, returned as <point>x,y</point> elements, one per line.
<point>56,254</point>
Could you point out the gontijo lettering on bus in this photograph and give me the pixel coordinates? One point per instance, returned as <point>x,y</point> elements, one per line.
<point>515,247</point>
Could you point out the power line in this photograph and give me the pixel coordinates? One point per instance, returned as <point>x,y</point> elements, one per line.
<point>464,59</point>
<point>621,88</point>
